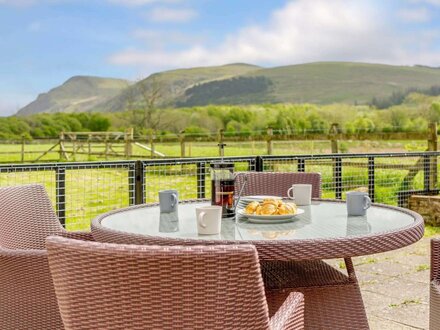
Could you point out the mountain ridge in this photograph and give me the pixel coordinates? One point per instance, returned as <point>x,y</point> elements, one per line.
<point>239,83</point>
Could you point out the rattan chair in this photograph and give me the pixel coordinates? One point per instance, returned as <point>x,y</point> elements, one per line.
<point>113,286</point>
<point>332,299</point>
<point>276,183</point>
<point>434,300</point>
<point>27,296</point>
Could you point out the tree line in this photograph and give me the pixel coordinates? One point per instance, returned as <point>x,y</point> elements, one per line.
<point>412,115</point>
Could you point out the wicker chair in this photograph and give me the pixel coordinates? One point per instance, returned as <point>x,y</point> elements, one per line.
<point>276,183</point>
<point>332,299</point>
<point>434,300</point>
<point>112,286</point>
<point>27,296</point>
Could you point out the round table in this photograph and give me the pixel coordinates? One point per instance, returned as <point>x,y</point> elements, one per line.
<point>323,231</point>
<point>291,253</point>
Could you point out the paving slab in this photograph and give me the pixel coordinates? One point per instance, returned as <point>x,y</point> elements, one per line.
<point>395,286</point>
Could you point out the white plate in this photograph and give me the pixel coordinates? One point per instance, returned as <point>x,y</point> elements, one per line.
<point>271,218</point>
<point>258,198</point>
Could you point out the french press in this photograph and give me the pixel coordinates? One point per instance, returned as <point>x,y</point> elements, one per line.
<point>222,187</point>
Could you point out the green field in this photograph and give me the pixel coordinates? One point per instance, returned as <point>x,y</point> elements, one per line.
<point>90,192</point>
<point>11,153</point>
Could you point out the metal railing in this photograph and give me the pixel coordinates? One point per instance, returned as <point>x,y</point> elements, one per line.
<point>80,191</point>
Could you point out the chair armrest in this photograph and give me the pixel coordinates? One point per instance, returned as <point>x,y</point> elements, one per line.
<point>31,253</point>
<point>435,259</point>
<point>79,235</point>
<point>290,316</point>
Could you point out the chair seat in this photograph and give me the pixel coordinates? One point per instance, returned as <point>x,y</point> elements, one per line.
<point>332,299</point>
<point>296,274</point>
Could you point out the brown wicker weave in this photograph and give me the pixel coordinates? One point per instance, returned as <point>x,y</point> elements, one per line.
<point>276,183</point>
<point>325,288</point>
<point>434,300</point>
<point>27,296</point>
<point>112,286</point>
<point>333,299</point>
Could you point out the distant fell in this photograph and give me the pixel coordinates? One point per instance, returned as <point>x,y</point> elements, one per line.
<point>320,83</point>
<point>239,83</point>
<point>79,93</point>
<point>173,84</point>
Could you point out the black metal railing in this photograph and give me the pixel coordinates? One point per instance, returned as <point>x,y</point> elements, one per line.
<point>80,191</point>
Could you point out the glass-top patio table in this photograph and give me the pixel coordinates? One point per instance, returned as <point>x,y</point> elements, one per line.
<point>323,231</point>
<point>290,253</point>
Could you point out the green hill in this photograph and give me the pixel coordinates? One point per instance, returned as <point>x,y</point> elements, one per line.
<point>320,83</point>
<point>79,93</point>
<point>173,84</point>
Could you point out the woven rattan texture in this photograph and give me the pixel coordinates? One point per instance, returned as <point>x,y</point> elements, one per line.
<point>27,295</point>
<point>276,183</point>
<point>111,286</point>
<point>333,299</point>
<point>285,250</point>
<point>27,217</point>
<point>434,299</point>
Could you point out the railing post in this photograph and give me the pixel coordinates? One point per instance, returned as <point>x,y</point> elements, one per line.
<point>137,182</point>
<point>433,146</point>
<point>301,165</point>
<point>201,177</point>
<point>60,192</point>
<point>259,164</point>
<point>371,174</point>
<point>427,173</point>
<point>337,177</point>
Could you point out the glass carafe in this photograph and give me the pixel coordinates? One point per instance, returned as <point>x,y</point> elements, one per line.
<point>222,187</point>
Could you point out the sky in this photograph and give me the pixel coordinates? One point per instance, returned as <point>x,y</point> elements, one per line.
<point>45,42</point>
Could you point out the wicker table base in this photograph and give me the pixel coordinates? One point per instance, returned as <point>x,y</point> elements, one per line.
<point>332,299</point>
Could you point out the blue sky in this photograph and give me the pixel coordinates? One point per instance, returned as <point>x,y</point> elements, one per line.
<point>45,42</point>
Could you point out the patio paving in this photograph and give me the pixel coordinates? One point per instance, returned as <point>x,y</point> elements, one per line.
<point>395,286</point>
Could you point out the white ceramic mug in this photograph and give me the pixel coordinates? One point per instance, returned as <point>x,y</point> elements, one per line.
<point>301,193</point>
<point>357,203</point>
<point>209,219</point>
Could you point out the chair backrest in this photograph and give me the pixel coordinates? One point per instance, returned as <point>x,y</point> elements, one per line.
<point>26,217</point>
<point>276,183</point>
<point>112,286</point>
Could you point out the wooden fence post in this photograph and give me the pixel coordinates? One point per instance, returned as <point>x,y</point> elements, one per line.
<point>182,143</point>
<point>433,146</point>
<point>128,138</point>
<point>334,131</point>
<point>152,137</point>
<point>22,148</point>
<point>89,146</point>
<point>62,150</point>
<point>74,147</point>
<point>269,141</point>
<point>221,143</point>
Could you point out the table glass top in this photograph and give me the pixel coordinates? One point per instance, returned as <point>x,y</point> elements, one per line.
<point>321,220</point>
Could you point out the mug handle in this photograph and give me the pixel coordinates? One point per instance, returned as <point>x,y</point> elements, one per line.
<point>200,219</point>
<point>288,192</point>
<point>367,202</point>
<point>173,200</point>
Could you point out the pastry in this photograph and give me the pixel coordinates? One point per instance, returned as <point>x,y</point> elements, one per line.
<point>251,207</point>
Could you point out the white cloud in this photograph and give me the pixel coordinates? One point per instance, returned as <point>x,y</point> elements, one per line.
<point>416,15</point>
<point>301,31</point>
<point>173,15</point>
